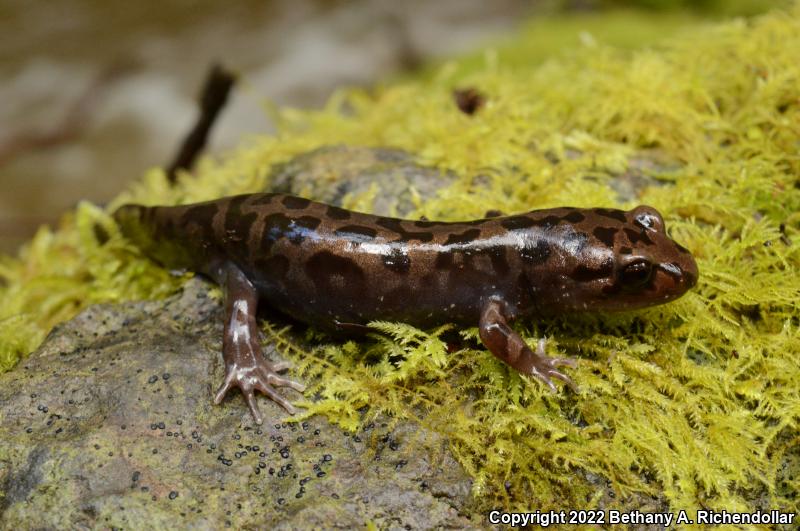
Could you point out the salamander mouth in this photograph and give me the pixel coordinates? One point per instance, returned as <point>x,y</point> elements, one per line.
<point>669,280</point>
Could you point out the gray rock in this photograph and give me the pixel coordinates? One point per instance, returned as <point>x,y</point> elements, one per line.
<point>331,173</point>
<point>111,424</point>
<point>645,169</point>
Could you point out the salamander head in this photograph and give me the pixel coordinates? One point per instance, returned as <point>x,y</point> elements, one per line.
<point>626,260</point>
<point>651,267</point>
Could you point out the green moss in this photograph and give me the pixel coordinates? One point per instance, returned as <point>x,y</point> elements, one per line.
<point>710,7</point>
<point>695,403</point>
<point>61,272</point>
<point>542,38</point>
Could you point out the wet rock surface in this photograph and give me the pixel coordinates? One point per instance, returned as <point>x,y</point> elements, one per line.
<point>110,424</point>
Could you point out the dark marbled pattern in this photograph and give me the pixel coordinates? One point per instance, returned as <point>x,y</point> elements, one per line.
<point>331,267</point>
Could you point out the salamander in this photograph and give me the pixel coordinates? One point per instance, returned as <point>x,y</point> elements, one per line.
<point>339,270</point>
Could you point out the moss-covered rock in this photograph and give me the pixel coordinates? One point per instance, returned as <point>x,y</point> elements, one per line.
<point>110,424</point>
<point>389,178</point>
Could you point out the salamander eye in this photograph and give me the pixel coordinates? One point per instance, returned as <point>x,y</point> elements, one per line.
<point>636,273</point>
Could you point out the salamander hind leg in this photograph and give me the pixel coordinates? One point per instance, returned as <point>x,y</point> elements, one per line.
<point>245,365</point>
<point>509,347</point>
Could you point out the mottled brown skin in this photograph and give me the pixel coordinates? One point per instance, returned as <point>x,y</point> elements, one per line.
<point>340,270</point>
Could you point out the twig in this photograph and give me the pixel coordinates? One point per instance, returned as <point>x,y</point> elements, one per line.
<point>215,94</point>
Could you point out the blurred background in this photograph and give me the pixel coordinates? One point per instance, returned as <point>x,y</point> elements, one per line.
<point>94,92</point>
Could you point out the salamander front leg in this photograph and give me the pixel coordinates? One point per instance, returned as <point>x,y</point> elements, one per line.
<point>245,365</point>
<point>508,346</point>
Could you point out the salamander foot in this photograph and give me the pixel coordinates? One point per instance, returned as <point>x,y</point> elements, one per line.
<point>245,365</point>
<point>262,376</point>
<point>544,367</point>
<point>508,346</point>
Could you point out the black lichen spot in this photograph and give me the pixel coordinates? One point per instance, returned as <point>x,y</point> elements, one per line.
<point>396,225</point>
<point>295,202</point>
<point>337,213</point>
<point>324,267</point>
<point>611,213</point>
<point>638,236</point>
<point>575,217</point>
<point>536,253</point>
<point>397,260</point>
<point>358,232</point>
<point>468,100</point>
<point>605,235</point>
<point>518,222</point>
<point>465,237</point>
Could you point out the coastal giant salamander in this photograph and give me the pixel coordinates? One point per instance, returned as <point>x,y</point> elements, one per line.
<point>339,269</point>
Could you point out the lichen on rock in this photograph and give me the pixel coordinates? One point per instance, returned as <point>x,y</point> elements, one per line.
<point>111,424</point>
